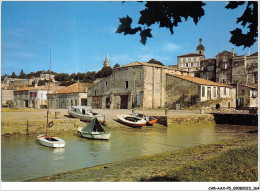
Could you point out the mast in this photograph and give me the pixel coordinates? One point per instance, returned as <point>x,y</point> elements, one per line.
<point>48,90</point>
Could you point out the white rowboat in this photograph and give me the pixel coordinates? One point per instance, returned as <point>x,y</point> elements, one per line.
<point>131,120</point>
<point>51,141</point>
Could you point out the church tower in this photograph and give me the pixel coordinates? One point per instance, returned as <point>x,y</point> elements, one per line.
<point>106,62</point>
<point>201,48</point>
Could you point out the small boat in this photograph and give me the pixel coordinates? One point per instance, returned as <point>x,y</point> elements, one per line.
<point>94,130</point>
<point>131,120</point>
<point>51,141</point>
<point>149,120</point>
<point>45,139</point>
<point>85,113</point>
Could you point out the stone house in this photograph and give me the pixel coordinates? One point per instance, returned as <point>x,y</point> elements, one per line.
<point>247,95</point>
<point>208,69</point>
<point>7,96</point>
<point>73,95</point>
<point>32,97</point>
<point>191,62</point>
<point>245,69</point>
<point>187,91</point>
<point>224,67</point>
<point>135,85</point>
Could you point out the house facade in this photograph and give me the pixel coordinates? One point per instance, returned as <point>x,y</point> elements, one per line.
<point>224,67</point>
<point>247,95</point>
<point>73,95</point>
<point>32,97</point>
<point>191,62</point>
<point>135,85</point>
<point>245,69</point>
<point>187,91</point>
<point>208,69</point>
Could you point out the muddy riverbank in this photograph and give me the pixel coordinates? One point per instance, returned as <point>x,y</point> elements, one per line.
<point>133,170</point>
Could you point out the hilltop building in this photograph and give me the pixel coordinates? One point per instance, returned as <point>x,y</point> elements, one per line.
<point>245,69</point>
<point>191,62</point>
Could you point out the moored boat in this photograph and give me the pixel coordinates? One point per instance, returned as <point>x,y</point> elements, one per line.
<point>94,130</point>
<point>149,119</point>
<point>51,141</point>
<point>45,139</point>
<point>131,120</point>
<point>85,113</point>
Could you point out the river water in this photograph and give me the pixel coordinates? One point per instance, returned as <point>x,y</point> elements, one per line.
<point>23,158</point>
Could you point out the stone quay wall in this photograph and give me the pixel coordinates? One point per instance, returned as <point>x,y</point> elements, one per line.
<point>28,127</point>
<point>185,120</point>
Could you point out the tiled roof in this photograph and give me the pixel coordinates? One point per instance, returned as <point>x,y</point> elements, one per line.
<point>52,88</point>
<point>250,86</point>
<point>201,81</point>
<point>74,88</point>
<point>255,54</point>
<point>146,64</point>
<point>190,55</point>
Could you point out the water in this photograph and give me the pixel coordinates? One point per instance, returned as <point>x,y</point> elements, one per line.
<point>23,158</point>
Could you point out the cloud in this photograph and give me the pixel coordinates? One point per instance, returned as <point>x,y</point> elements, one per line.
<point>24,54</point>
<point>171,47</point>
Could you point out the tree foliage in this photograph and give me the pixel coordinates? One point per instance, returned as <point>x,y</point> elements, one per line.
<point>167,14</point>
<point>22,74</point>
<point>13,75</point>
<point>153,61</point>
<point>104,72</point>
<point>249,19</point>
<point>116,65</point>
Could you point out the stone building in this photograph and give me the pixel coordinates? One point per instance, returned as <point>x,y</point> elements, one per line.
<point>208,69</point>
<point>191,62</point>
<point>73,95</point>
<point>32,97</point>
<point>135,85</point>
<point>7,97</point>
<point>187,91</point>
<point>224,67</point>
<point>245,69</point>
<point>247,95</point>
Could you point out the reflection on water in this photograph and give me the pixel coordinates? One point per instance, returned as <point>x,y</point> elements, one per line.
<point>24,158</point>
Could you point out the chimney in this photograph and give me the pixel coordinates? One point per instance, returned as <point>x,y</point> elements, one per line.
<point>248,53</point>
<point>36,85</point>
<point>233,51</point>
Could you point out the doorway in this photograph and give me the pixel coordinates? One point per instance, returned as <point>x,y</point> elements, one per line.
<point>124,102</point>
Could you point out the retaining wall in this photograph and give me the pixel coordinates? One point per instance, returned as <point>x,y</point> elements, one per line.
<point>27,127</point>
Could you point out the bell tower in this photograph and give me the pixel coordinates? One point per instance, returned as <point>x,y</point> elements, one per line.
<point>106,62</point>
<point>201,48</point>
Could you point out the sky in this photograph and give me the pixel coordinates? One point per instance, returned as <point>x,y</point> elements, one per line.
<point>80,34</point>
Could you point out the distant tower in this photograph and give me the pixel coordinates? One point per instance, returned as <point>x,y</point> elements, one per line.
<point>106,62</point>
<point>201,48</point>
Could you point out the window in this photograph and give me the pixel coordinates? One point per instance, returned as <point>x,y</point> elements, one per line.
<point>191,64</point>
<point>224,65</point>
<point>192,59</point>
<point>243,92</point>
<point>106,83</point>
<point>189,59</point>
<point>215,92</point>
<point>224,58</point>
<point>71,102</point>
<point>203,91</point>
<point>181,59</point>
<point>76,102</point>
<point>225,91</point>
<point>187,65</point>
<point>126,84</point>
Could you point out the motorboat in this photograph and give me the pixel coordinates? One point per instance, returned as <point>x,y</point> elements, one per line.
<point>149,119</point>
<point>51,141</point>
<point>131,120</point>
<point>85,113</point>
<point>94,130</point>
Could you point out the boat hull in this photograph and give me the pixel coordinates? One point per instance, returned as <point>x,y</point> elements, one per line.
<point>94,135</point>
<point>139,123</point>
<point>82,117</point>
<point>51,141</point>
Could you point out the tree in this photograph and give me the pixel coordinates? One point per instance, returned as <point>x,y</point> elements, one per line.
<point>62,77</point>
<point>104,72</point>
<point>13,75</point>
<point>153,61</point>
<point>3,77</point>
<point>169,14</point>
<point>22,74</point>
<point>249,19</point>
<point>116,65</point>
